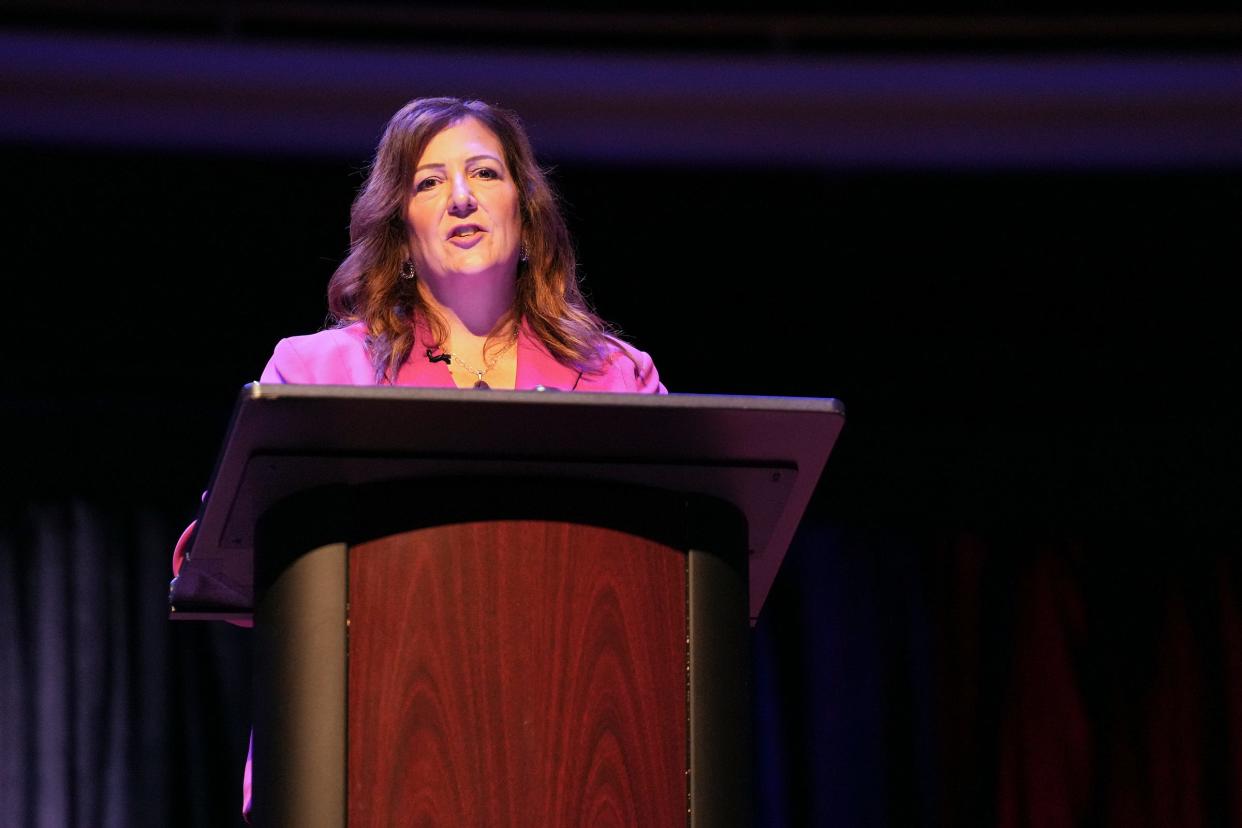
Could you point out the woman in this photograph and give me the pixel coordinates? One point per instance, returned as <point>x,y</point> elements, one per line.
<point>460,271</point>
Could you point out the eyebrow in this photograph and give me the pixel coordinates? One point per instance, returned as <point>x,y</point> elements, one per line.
<point>469,160</point>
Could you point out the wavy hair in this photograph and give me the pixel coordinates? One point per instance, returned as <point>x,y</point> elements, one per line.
<point>367,286</point>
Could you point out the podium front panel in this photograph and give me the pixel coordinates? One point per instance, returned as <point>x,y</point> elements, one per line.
<point>518,673</point>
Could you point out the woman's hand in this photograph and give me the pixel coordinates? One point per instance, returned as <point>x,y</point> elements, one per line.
<point>179,550</point>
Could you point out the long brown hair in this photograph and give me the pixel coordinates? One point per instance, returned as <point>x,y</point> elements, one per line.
<point>367,286</point>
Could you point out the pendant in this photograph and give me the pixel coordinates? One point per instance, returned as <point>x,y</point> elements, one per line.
<point>481,384</point>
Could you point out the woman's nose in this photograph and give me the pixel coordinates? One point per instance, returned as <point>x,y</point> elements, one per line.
<point>462,203</point>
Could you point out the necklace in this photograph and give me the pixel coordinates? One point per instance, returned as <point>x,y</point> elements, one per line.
<point>479,382</point>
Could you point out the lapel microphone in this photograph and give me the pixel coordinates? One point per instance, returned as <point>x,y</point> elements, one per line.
<point>445,358</point>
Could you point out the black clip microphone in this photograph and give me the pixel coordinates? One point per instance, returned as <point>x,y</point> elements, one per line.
<point>445,358</point>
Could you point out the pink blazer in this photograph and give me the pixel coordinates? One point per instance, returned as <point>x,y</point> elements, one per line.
<point>339,357</point>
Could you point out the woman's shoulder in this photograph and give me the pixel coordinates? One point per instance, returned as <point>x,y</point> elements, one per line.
<point>624,368</point>
<point>334,356</point>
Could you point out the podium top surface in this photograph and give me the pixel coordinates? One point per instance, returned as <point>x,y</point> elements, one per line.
<point>764,455</point>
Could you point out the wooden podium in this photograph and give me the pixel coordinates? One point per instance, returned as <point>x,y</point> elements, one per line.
<point>501,608</point>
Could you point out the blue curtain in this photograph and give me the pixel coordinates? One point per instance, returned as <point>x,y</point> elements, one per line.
<point>110,715</point>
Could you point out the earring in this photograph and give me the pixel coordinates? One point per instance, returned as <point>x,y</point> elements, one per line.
<point>407,269</point>
<point>523,254</point>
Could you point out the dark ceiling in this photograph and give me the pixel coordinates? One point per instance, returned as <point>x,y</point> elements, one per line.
<point>782,27</point>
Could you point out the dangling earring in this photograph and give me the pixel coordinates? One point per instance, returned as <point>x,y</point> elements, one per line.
<point>523,255</point>
<point>407,269</point>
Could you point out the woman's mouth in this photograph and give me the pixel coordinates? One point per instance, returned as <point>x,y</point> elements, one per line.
<point>465,231</point>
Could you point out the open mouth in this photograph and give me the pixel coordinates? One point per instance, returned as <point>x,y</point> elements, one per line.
<point>466,231</point>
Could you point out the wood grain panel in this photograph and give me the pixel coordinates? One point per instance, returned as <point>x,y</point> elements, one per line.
<point>517,673</point>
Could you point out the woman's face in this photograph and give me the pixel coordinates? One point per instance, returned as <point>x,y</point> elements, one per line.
<point>463,215</point>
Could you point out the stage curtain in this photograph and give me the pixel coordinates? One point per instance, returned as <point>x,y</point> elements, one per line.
<point>110,715</point>
<point>1003,678</point>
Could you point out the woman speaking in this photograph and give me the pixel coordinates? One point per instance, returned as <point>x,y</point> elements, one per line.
<point>460,271</point>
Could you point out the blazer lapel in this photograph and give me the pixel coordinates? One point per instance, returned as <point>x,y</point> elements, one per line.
<point>417,370</point>
<point>535,366</point>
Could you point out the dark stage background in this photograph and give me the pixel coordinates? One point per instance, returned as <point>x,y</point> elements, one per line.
<point>1016,598</point>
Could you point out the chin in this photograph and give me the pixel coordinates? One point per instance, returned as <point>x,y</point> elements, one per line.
<point>481,264</point>
<point>474,268</point>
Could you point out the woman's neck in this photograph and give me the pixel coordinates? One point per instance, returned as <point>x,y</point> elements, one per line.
<point>481,353</point>
<point>471,306</point>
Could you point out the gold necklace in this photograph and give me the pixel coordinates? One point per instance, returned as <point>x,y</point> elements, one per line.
<point>479,382</point>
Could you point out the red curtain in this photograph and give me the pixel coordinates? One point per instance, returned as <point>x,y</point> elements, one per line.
<point>1070,679</point>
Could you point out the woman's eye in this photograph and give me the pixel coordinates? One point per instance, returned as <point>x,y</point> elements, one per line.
<point>426,184</point>
<point>486,172</point>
